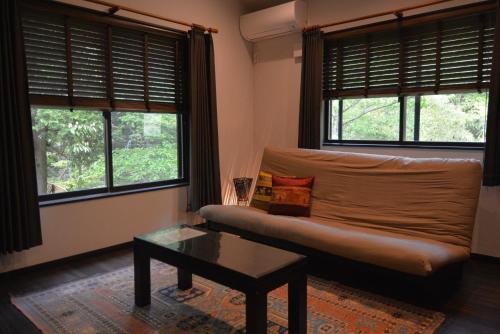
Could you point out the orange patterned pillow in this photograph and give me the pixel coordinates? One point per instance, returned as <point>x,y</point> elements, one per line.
<point>291,196</point>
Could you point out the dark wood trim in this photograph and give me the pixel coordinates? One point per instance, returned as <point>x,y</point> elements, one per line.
<point>485,258</point>
<point>184,279</point>
<point>69,61</point>
<point>340,66</point>
<point>64,260</point>
<point>141,106</point>
<point>77,193</point>
<point>108,191</point>
<point>341,119</point>
<point>44,202</point>
<point>101,104</point>
<point>401,64</point>
<point>416,119</point>
<point>63,101</point>
<point>439,43</point>
<point>146,70</point>
<point>393,91</point>
<point>419,61</point>
<point>409,21</point>
<point>406,144</point>
<point>367,63</point>
<point>142,275</point>
<point>109,67</point>
<point>180,146</point>
<point>256,312</point>
<point>108,142</point>
<point>326,120</point>
<point>481,51</point>
<point>402,118</point>
<point>297,305</point>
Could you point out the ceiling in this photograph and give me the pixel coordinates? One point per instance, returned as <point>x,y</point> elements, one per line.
<point>253,5</point>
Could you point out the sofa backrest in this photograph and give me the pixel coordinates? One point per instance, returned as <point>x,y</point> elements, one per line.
<point>427,198</point>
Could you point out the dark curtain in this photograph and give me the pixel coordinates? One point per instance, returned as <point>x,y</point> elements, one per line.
<point>19,212</point>
<point>205,187</point>
<point>492,150</point>
<point>311,90</point>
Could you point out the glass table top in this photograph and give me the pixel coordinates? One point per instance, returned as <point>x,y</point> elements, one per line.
<point>226,250</point>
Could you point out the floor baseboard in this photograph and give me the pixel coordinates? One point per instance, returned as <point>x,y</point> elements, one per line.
<point>486,258</point>
<point>58,262</point>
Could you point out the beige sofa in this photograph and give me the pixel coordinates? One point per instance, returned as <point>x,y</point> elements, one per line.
<point>411,215</point>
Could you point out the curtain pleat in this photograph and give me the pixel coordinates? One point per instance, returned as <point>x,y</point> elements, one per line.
<point>19,213</point>
<point>491,175</point>
<point>311,90</point>
<point>205,183</point>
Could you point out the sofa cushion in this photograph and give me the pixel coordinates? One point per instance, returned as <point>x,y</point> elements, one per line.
<point>291,196</point>
<point>395,251</point>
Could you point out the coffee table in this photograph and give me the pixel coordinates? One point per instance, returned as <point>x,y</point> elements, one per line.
<point>250,267</point>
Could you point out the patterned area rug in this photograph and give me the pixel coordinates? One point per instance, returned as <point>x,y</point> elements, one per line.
<point>105,304</point>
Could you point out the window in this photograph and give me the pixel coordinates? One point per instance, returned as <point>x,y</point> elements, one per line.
<point>413,81</point>
<point>107,99</point>
<point>145,148</point>
<point>444,120</point>
<point>69,150</point>
<point>370,119</point>
<point>463,122</point>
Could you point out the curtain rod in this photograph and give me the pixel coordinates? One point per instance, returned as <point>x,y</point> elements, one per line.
<point>113,8</point>
<point>397,12</point>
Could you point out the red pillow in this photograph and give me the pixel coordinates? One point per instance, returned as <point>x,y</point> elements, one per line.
<point>291,196</point>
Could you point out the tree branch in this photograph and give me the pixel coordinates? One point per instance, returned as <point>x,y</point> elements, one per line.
<point>367,112</point>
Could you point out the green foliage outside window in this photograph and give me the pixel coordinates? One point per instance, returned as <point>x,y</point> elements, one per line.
<point>456,118</point>
<point>70,149</point>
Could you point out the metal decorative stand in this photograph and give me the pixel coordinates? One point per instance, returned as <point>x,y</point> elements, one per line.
<point>242,187</point>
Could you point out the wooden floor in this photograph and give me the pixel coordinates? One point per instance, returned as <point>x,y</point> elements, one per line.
<point>474,307</point>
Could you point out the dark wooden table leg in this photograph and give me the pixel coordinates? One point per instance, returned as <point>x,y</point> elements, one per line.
<point>256,308</point>
<point>184,279</point>
<point>297,305</point>
<point>142,277</point>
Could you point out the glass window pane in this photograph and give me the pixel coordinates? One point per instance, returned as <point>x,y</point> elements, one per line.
<point>144,147</point>
<point>453,117</point>
<point>371,119</point>
<point>333,127</point>
<point>69,149</point>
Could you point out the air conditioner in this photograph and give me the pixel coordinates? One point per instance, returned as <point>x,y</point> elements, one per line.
<point>274,21</point>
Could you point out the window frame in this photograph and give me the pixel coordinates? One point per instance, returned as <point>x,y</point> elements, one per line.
<point>110,189</point>
<point>402,128</point>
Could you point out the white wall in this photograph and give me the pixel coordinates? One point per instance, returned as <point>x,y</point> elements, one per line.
<point>276,103</point>
<point>80,227</point>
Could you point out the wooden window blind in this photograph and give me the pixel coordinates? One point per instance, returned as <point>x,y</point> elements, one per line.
<point>83,63</point>
<point>45,44</point>
<point>88,60</point>
<point>449,53</point>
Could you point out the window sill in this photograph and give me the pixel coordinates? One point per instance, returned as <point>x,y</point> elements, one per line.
<point>75,199</point>
<point>433,146</point>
